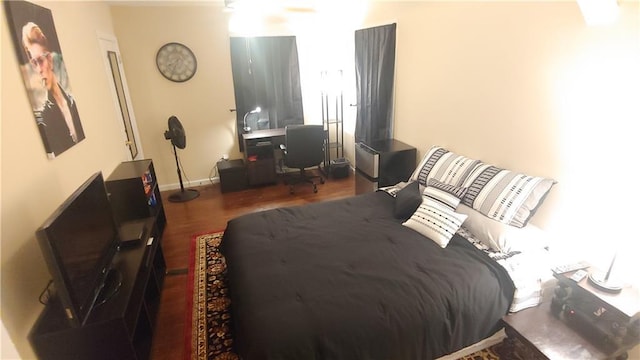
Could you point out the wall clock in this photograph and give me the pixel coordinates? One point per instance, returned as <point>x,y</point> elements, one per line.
<point>176,62</point>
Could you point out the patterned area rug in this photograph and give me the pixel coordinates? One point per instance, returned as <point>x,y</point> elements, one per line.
<point>207,300</point>
<point>210,336</point>
<point>490,353</point>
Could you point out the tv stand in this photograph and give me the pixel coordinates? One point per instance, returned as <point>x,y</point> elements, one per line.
<point>122,327</point>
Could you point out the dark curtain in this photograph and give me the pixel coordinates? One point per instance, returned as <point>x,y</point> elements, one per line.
<point>375,54</point>
<point>266,74</point>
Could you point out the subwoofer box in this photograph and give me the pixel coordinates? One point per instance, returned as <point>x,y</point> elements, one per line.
<point>340,168</point>
<point>233,175</point>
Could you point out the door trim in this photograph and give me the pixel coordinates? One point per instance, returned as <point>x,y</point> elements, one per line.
<point>109,42</point>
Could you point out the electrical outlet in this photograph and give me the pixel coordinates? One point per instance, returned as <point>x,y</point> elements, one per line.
<point>225,156</point>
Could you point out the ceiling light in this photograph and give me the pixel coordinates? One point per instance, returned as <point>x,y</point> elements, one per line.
<point>599,12</point>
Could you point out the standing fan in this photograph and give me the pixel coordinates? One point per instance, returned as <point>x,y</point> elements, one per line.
<point>178,139</point>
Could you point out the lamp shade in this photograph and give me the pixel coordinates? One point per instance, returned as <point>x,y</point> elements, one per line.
<point>246,128</point>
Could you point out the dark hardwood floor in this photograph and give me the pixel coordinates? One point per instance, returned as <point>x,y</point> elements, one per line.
<point>210,212</point>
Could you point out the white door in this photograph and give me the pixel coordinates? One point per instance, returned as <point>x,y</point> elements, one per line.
<point>132,149</point>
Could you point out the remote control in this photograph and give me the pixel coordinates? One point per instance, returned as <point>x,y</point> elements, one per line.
<point>579,275</point>
<point>561,269</point>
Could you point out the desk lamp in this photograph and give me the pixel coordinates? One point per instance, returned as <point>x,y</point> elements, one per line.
<point>602,282</point>
<point>246,128</point>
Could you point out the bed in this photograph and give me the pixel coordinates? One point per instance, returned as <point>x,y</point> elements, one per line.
<point>345,279</point>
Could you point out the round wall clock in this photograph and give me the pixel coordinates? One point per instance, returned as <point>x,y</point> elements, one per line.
<point>176,62</point>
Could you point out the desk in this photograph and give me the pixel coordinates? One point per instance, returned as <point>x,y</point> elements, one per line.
<point>259,156</point>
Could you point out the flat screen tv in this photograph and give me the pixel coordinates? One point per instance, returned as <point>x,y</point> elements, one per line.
<point>78,242</point>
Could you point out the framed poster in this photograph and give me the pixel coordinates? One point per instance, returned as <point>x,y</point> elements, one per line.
<point>45,76</point>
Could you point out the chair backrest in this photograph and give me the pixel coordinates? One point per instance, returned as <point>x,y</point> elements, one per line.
<point>305,145</point>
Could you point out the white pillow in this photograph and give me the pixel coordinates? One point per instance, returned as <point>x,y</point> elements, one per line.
<point>502,237</point>
<point>436,221</point>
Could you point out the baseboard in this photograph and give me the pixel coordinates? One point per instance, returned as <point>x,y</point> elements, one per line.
<point>214,180</point>
<point>188,184</point>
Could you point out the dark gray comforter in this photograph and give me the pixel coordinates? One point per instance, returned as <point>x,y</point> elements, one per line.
<point>345,280</point>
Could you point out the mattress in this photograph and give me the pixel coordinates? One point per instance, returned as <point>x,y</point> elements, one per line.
<point>345,280</point>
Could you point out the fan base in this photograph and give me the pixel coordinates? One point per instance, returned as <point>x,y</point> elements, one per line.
<point>185,195</point>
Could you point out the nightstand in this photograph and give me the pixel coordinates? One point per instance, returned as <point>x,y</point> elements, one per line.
<point>580,322</point>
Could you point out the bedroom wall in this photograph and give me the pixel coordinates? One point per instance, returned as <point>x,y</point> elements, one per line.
<point>202,104</point>
<point>523,85</point>
<point>32,185</point>
<point>529,87</point>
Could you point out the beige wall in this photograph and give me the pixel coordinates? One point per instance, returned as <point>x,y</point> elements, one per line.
<point>201,104</point>
<point>523,85</point>
<point>32,185</point>
<point>529,87</point>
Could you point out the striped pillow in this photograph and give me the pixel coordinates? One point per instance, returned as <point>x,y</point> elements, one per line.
<point>436,218</point>
<point>506,196</point>
<point>456,191</point>
<point>444,166</point>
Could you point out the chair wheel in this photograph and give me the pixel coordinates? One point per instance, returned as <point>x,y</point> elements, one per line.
<point>291,190</point>
<point>315,189</point>
<point>321,180</point>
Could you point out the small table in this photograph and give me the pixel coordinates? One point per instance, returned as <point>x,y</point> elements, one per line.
<point>535,333</point>
<point>540,333</point>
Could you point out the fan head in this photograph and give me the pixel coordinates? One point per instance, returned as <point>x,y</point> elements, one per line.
<point>176,133</point>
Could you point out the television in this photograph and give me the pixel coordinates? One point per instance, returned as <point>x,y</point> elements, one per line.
<point>78,242</point>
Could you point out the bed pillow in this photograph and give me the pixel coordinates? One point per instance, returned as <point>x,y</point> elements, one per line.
<point>436,218</point>
<point>443,165</point>
<point>508,197</point>
<point>407,200</point>
<point>456,191</point>
<point>502,237</point>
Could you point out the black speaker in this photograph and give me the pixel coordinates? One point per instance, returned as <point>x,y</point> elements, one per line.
<point>597,321</point>
<point>233,175</point>
<point>339,168</point>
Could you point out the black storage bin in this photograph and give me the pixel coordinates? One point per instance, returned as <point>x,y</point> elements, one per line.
<point>233,175</point>
<point>340,168</point>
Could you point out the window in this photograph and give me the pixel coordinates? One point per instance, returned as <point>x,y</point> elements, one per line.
<point>266,74</point>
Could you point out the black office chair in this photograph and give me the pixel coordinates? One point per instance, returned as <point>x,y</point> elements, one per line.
<point>303,148</point>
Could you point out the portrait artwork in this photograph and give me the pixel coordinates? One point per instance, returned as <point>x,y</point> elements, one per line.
<point>45,76</point>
